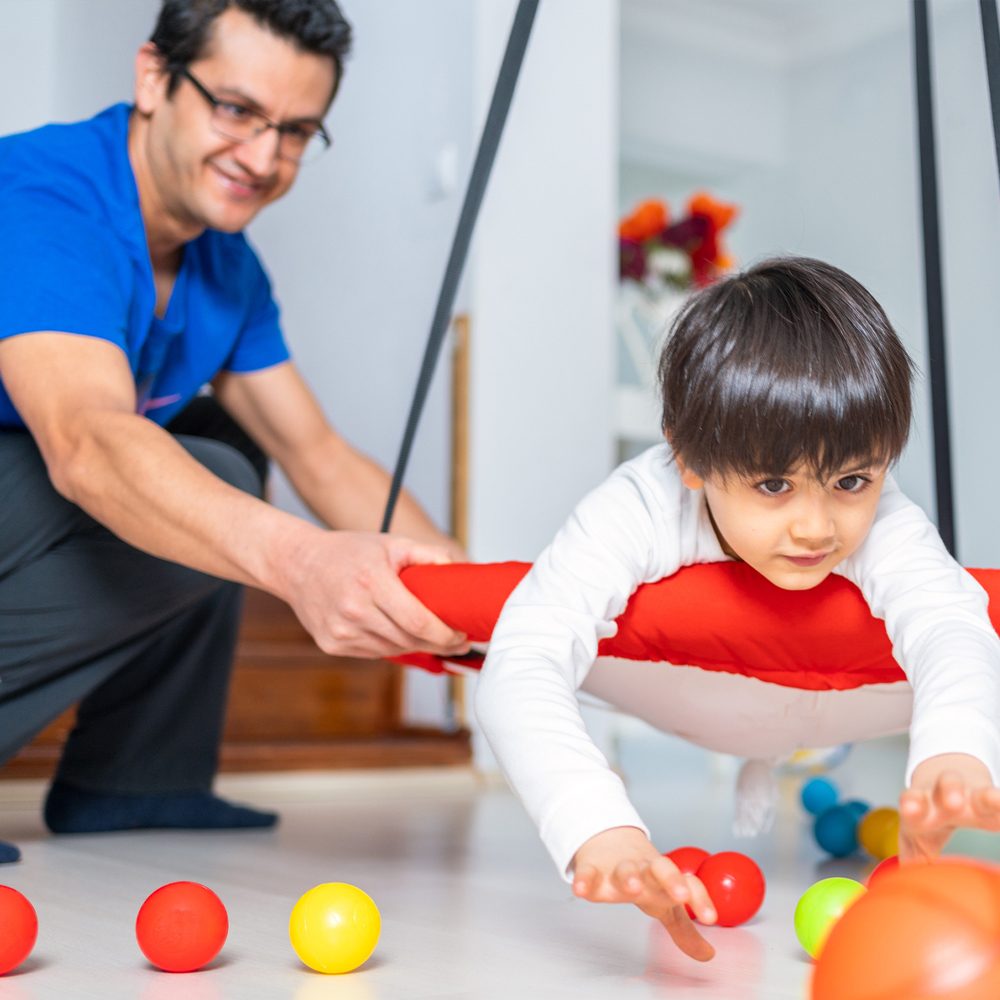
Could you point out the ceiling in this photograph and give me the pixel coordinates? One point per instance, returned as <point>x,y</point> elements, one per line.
<point>777,32</point>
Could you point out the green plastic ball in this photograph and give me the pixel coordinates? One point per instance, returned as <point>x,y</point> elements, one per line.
<point>820,907</point>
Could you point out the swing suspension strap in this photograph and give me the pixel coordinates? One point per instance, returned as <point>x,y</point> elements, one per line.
<point>933,287</point>
<point>503,93</point>
<point>991,43</point>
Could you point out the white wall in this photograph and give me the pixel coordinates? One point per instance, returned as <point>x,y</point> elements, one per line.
<point>542,278</point>
<point>971,228</point>
<point>358,248</point>
<point>541,284</point>
<point>27,57</point>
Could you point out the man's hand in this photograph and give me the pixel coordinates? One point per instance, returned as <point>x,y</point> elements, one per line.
<point>345,588</point>
<point>622,866</point>
<point>946,792</point>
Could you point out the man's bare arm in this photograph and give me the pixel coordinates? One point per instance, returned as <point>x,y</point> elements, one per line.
<point>345,488</point>
<point>77,398</point>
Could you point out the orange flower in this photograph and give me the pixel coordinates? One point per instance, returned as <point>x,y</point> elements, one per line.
<point>648,219</point>
<point>721,214</point>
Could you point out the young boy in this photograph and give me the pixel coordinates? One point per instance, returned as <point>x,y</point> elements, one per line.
<point>786,398</point>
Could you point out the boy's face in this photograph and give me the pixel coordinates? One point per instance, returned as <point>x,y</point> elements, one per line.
<point>794,530</point>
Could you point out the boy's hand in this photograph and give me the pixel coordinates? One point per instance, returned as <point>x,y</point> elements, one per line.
<point>622,866</point>
<point>946,792</point>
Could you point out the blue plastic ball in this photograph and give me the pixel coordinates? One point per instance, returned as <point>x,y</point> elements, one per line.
<point>818,795</point>
<point>858,807</point>
<point>836,831</point>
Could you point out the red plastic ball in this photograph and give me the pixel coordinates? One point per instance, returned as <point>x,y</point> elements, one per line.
<point>181,927</point>
<point>687,859</point>
<point>18,928</point>
<point>882,869</point>
<point>926,932</point>
<point>735,884</point>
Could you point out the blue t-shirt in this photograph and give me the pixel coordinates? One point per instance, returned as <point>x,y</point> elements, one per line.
<point>74,259</point>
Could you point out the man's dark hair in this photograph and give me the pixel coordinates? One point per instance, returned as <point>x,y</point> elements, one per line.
<point>183,29</point>
<point>790,362</point>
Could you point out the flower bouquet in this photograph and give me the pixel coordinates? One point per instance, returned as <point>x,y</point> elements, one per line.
<point>684,254</point>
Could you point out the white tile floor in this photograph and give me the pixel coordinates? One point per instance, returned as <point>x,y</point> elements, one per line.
<point>471,907</point>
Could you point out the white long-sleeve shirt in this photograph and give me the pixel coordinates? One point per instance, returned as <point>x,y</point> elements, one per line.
<point>642,524</point>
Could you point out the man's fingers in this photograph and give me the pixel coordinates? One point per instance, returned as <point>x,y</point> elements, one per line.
<point>424,631</point>
<point>406,552</point>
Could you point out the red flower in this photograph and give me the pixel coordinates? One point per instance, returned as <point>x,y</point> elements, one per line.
<point>631,260</point>
<point>721,214</point>
<point>647,220</point>
<point>647,228</point>
<point>707,258</point>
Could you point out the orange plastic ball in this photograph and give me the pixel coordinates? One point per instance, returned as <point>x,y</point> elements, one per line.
<point>18,928</point>
<point>882,869</point>
<point>926,932</point>
<point>181,927</point>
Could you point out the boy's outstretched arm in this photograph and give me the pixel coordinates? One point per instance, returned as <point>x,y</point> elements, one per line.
<point>946,792</point>
<point>621,865</point>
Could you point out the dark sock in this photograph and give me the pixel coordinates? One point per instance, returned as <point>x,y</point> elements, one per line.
<point>69,809</point>
<point>8,853</point>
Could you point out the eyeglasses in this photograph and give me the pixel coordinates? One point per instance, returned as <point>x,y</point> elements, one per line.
<point>298,141</point>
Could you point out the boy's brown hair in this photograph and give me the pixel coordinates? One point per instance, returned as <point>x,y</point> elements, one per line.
<point>789,362</point>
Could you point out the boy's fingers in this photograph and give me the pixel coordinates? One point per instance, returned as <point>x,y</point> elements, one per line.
<point>666,876</point>
<point>914,805</point>
<point>949,793</point>
<point>701,902</point>
<point>627,878</point>
<point>685,935</point>
<point>986,803</point>
<point>585,881</point>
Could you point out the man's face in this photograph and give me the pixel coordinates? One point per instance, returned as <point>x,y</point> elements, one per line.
<point>794,529</point>
<point>203,180</point>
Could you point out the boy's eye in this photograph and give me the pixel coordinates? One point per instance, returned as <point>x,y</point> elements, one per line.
<point>774,487</point>
<point>852,484</point>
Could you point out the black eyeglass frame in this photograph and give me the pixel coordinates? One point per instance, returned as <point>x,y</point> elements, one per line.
<point>282,128</point>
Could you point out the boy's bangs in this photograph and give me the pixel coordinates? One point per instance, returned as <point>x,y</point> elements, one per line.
<point>752,418</point>
<point>778,426</point>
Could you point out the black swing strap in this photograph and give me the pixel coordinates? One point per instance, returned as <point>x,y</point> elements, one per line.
<point>991,42</point>
<point>503,93</point>
<point>933,287</point>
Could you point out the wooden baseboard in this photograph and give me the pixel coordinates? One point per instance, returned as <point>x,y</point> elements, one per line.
<point>406,748</point>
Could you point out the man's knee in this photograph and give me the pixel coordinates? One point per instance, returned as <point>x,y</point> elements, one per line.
<point>226,462</point>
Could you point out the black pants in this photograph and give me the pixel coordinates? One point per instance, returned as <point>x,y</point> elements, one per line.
<point>145,646</point>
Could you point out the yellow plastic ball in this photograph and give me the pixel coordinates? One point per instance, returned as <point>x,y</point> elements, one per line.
<point>878,832</point>
<point>334,927</point>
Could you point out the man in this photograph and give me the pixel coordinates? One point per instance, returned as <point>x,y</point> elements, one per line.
<point>125,285</point>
